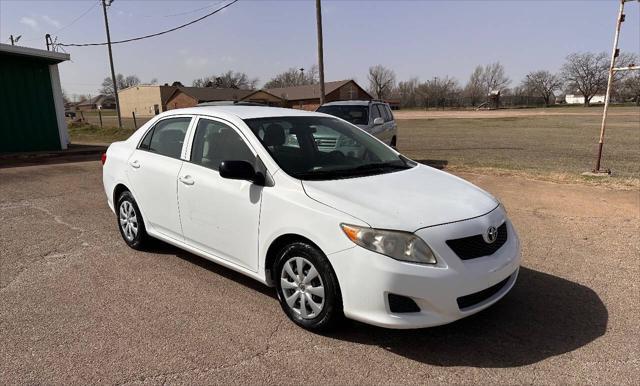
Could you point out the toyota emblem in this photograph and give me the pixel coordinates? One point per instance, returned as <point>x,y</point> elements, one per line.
<point>491,235</point>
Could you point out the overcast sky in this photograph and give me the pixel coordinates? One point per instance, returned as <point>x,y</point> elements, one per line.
<point>414,38</point>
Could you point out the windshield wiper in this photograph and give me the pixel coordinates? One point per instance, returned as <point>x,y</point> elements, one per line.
<point>381,165</point>
<point>351,172</point>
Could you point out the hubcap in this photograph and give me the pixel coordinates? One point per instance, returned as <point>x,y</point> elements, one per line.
<point>128,220</point>
<point>302,287</point>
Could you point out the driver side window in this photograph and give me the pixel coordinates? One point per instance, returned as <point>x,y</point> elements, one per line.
<point>215,142</point>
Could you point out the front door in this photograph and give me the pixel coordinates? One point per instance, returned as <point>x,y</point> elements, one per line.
<point>153,171</point>
<point>219,216</point>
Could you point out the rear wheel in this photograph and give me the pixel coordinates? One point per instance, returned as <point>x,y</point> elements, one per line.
<point>307,287</point>
<point>130,221</point>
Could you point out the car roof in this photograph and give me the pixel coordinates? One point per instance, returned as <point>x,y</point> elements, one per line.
<point>243,112</point>
<point>351,103</point>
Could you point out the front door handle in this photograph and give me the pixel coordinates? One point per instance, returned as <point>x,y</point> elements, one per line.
<point>135,164</point>
<point>187,180</point>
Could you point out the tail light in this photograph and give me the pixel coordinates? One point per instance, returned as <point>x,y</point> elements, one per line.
<point>103,158</point>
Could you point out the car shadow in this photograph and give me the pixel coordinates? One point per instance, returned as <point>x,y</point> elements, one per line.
<point>541,317</point>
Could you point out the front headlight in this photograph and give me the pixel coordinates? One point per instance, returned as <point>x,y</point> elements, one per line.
<point>403,246</point>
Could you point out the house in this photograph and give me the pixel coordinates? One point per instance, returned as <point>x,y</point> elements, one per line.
<point>32,108</point>
<point>573,99</point>
<point>145,100</point>
<point>190,96</point>
<point>307,97</point>
<point>98,102</point>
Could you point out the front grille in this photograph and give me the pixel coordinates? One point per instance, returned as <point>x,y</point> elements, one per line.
<point>401,304</point>
<point>474,246</point>
<point>478,297</point>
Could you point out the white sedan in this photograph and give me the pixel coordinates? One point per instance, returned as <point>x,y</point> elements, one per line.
<point>366,234</point>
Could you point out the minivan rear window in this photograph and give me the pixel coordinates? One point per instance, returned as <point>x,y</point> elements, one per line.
<point>358,115</point>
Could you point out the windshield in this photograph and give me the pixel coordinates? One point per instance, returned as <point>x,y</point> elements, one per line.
<point>324,148</point>
<point>358,115</point>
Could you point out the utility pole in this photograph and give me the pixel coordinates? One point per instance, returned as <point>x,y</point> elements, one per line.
<point>113,72</point>
<point>320,53</point>
<point>612,70</point>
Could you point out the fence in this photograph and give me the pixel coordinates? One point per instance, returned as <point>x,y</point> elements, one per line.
<point>108,118</point>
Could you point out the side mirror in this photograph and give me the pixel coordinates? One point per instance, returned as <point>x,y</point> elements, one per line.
<point>378,121</point>
<point>238,170</point>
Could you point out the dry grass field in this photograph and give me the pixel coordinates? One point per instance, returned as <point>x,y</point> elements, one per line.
<point>561,141</point>
<point>552,143</point>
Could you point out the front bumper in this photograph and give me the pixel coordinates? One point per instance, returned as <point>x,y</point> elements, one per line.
<point>367,278</point>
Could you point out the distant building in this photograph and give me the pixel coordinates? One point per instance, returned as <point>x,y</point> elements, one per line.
<point>575,99</point>
<point>97,102</point>
<point>308,97</point>
<point>32,108</point>
<point>144,100</point>
<point>190,96</point>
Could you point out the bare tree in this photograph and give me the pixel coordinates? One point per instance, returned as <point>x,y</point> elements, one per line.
<point>494,77</point>
<point>586,73</point>
<point>381,81</point>
<point>436,92</point>
<point>408,92</point>
<point>542,83</point>
<point>475,90</point>
<point>123,82</point>
<point>294,77</point>
<point>229,79</point>
<point>630,89</point>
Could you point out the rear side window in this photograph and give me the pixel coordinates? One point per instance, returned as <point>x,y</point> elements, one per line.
<point>167,137</point>
<point>215,142</point>
<point>375,113</point>
<point>386,113</point>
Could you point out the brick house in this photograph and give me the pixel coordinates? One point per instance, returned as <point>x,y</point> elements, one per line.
<point>190,96</point>
<point>307,97</point>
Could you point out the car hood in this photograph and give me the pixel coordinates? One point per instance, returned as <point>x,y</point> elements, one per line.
<point>404,200</point>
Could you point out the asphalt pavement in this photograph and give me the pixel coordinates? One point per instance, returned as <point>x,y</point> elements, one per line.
<point>77,306</point>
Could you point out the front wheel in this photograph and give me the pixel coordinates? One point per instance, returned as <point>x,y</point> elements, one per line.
<point>307,287</point>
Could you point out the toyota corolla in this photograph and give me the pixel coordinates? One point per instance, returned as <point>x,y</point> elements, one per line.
<point>355,230</point>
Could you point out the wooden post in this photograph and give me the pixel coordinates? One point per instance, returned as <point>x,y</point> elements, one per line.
<point>100,116</point>
<point>135,123</point>
<point>82,115</point>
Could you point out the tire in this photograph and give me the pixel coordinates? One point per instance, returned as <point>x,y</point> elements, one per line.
<point>393,142</point>
<point>320,291</point>
<point>130,221</point>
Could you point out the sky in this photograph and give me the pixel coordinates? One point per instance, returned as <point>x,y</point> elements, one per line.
<point>420,39</point>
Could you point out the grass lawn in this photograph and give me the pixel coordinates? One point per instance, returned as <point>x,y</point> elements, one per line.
<point>557,144</point>
<point>92,134</point>
<point>536,143</point>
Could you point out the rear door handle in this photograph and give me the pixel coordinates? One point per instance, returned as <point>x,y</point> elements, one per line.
<point>187,180</point>
<point>135,164</point>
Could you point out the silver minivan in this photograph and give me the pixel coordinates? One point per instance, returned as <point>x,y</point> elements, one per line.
<point>374,117</point>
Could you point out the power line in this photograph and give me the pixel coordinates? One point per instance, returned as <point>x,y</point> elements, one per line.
<point>77,18</point>
<point>151,35</point>
<point>69,24</point>
<point>185,12</point>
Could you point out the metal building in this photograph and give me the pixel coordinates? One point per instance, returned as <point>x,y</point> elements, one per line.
<point>31,105</point>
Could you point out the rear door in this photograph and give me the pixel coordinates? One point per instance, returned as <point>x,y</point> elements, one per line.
<point>389,123</point>
<point>376,130</point>
<point>153,171</point>
<point>219,216</point>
